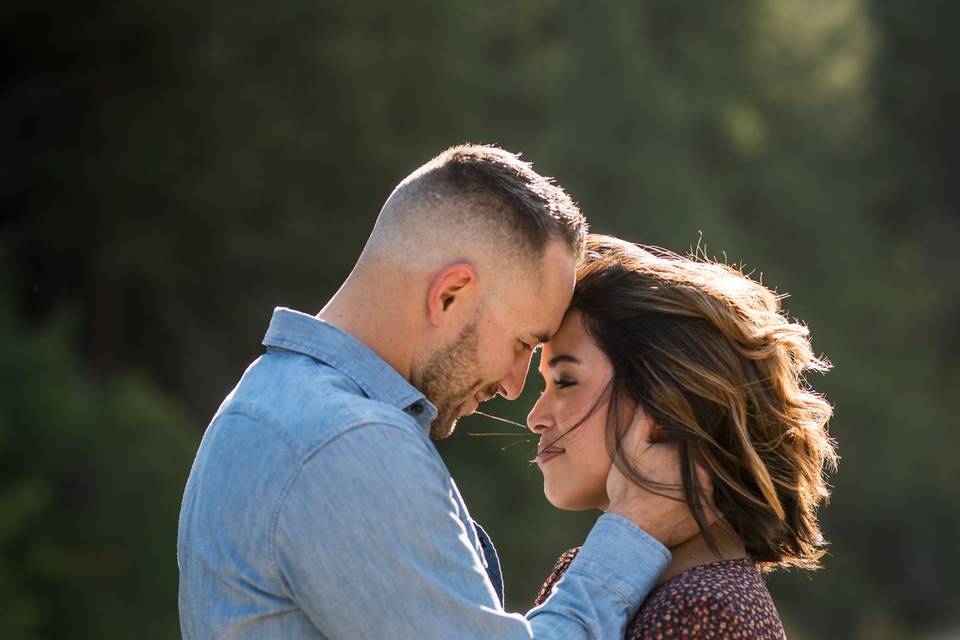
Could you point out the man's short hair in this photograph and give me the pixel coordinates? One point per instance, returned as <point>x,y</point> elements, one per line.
<point>486,185</point>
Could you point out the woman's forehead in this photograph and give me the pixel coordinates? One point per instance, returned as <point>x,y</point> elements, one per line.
<point>570,339</point>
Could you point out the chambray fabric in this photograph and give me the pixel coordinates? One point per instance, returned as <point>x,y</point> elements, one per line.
<point>318,507</point>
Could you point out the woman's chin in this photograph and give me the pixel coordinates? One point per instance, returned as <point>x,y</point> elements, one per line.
<point>569,502</point>
<point>554,498</point>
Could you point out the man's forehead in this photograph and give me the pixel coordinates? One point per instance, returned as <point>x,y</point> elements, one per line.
<point>538,314</point>
<point>540,331</point>
<point>551,310</point>
<point>548,322</point>
<point>539,307</point>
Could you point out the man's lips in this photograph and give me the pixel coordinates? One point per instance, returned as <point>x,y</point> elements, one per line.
<point>483,396</point>
<point>471,405</point>
<point>478,398</point>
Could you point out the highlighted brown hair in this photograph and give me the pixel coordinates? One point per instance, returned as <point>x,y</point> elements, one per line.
<point>711,357</point>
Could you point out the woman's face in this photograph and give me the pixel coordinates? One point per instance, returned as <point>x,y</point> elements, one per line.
<point>572,457</point>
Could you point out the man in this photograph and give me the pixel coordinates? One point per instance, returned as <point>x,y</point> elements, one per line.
<point>318,507</point>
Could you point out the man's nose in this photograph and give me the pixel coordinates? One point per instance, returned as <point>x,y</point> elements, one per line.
<point>511,385</point>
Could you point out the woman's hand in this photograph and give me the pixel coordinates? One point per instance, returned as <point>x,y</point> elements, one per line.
<point>661,512</point>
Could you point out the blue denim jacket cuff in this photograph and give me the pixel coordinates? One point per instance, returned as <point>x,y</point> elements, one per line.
<point>623,556</point>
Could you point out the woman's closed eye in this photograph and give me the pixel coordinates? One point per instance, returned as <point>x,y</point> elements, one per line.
<point>563,383</point>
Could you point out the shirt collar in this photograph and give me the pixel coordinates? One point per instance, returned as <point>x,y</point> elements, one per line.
<point>309,335</point>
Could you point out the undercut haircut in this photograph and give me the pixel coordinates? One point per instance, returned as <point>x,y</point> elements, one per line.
<point>488,191</point>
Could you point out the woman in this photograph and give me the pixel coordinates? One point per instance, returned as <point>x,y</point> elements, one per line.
<point>695,356</point>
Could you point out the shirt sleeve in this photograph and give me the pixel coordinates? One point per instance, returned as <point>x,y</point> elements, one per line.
<point>558,570</point>
<point>370,541</point>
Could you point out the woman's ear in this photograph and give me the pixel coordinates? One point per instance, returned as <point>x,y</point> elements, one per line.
<point>451,290</point>
<point>656,432</point>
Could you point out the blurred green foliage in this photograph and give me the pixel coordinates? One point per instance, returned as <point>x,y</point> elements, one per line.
<point>171,171</point>
<point>88,492</point>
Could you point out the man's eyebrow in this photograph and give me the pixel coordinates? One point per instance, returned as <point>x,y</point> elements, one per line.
<point>563,357</point>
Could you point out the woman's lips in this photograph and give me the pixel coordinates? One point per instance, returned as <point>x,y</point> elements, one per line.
<point>548,454</point>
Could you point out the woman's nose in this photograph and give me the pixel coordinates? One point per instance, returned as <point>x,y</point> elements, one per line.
<point>537,419</point>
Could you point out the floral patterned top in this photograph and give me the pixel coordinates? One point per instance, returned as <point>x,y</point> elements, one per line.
<point>726,599</point>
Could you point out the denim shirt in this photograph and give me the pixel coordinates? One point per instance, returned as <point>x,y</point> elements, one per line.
<point>318,507</point>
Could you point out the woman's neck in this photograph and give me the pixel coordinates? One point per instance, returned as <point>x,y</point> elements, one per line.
<point>695,551</point>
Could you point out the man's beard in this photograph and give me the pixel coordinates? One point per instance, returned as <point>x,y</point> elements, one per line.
<point>448,381</point>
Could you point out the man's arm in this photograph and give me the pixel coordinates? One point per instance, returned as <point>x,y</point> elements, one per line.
<point>371,543</point>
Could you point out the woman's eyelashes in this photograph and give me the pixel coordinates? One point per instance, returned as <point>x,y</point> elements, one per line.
<point>560,382</point>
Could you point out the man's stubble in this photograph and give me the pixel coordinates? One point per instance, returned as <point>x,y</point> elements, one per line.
<point>450,379</point>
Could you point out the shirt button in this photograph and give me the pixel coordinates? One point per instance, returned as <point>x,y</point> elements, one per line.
<point>417,409</point>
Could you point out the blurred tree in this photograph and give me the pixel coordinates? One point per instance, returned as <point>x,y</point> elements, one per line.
<point>90,477</point>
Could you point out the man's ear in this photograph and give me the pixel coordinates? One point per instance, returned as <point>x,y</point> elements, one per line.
<point>453,287</point>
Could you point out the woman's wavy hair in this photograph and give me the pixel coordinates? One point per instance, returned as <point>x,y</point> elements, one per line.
<point>710,356</point>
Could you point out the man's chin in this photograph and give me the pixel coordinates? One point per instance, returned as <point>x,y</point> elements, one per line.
<point>442,429</point>
<point>444,426</point>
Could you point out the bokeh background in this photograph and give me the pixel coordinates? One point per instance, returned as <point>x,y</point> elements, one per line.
<point>172,170</point>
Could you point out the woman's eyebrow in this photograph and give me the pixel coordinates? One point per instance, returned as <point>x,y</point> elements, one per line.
<point>563,357</point>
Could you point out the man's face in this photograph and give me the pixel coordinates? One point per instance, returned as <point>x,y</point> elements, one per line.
<point>492,353</point>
